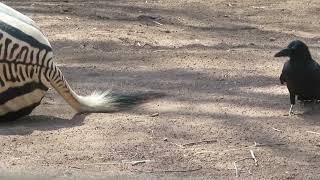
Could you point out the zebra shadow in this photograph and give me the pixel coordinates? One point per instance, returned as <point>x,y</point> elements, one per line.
<point>27,125</point>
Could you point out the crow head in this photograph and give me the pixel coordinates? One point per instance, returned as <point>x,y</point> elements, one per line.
<point>297,51</point>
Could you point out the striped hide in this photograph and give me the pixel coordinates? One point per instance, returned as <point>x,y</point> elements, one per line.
<point>27,71</point>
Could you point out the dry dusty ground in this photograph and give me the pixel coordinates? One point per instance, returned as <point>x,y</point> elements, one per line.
<point>215,61</point>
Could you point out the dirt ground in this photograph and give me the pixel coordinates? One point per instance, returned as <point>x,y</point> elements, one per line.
<point>215,61</point>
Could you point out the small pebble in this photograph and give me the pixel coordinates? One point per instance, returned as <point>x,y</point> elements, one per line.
<point>272,39</point>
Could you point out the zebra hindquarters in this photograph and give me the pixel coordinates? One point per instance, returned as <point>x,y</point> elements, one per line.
<point>20,92</point>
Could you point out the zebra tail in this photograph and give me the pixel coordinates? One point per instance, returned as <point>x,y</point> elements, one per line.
<point>98,101</point>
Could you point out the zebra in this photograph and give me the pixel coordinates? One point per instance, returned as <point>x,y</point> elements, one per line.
<point>27,70</point>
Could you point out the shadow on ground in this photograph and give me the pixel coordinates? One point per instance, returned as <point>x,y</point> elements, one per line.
<point>27,125</point>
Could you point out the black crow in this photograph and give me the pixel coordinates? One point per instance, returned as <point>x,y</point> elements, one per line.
<point>301,73</point>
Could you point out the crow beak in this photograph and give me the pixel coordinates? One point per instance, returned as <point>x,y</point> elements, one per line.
<point>283,53</point>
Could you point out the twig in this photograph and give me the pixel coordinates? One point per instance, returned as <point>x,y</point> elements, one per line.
<point>312,132</point>
<point>154,115</point>
<point>260,145</point>
<point>133,163</point>
<point>173,171</point>
<point>199,142</point>
<point>107,163</point>
<point>139,162</point>
<point>235,162</point>
<point>75,167</point>
<point>277,129</point>
<point>237,149</point>
<point>257,7</point>
<point>160,50</point>
<point>187,170</point>
<point>235,167</point>
<point>254,157</point>
<point>157,23</point>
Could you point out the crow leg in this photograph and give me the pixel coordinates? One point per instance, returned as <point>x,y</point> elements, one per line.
<point>291,110</point>
<point>292,101</point>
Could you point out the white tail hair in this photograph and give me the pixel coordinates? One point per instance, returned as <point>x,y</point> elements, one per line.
<point>97,101</point>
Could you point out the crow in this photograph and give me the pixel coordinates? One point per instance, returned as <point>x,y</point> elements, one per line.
<point>300,73</point>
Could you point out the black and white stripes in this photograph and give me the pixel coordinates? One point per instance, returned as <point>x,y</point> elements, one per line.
<point>24,63</point>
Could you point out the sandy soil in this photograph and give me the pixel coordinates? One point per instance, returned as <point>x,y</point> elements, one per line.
<point>215,61</point>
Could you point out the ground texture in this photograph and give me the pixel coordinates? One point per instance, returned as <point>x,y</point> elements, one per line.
<point>215,61</point>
